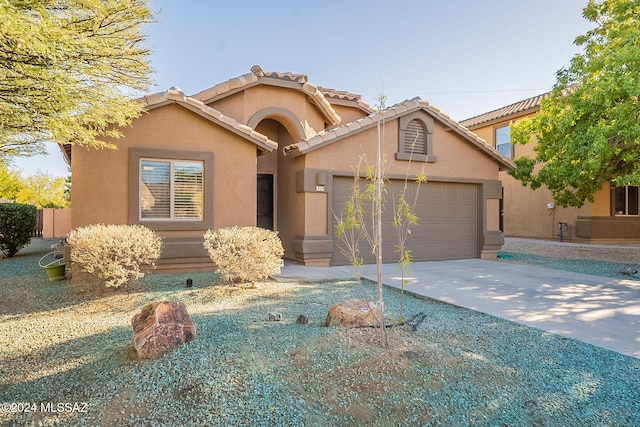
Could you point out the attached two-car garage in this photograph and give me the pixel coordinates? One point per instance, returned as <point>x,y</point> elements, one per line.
<point>448,221</point>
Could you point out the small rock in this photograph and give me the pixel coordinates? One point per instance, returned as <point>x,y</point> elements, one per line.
<point>354,313</point>
<point>161,327</point>
<point>274,317</point>
<point>302,320</point>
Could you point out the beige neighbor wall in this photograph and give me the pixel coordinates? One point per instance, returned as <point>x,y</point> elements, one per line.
<point>526,211</point>
<point>56,223</point>
<point>101,177</point>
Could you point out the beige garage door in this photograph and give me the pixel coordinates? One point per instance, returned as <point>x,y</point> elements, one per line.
<point>447,222</point>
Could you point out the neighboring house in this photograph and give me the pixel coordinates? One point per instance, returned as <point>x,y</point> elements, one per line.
<point>271,149</point>
<point>611,218</point>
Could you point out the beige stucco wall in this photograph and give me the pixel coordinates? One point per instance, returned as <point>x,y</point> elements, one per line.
<point>232,106</point>
<point>269,100</point>
<point>348,114</point>
<point>100,182</point>
<point>456,158</point>
<point>100,178</point>
<point>526,213</point>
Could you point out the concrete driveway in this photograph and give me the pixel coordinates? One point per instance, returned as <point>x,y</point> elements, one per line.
<point>597,310</point>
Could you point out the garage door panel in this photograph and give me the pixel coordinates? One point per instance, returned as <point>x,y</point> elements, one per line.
<point>434,214</point>
<point>447,221</point>
<point>451,193</point>
<point>434,193</point>
<point>452,212</point>
<point>469,193</point>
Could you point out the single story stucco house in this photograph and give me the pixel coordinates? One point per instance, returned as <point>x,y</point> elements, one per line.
<point>273,150</point>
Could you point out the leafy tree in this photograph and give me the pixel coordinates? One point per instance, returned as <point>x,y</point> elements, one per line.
<point>44,191</point>
<point>588,128</point>
<point>11,182</point>
<point>68,69</point>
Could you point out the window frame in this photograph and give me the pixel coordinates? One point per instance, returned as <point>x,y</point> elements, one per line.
<point>495,139</point>
<point>404,144</point>
<point>625,213</point>
<point>172,190</point>
<point>136,155</point>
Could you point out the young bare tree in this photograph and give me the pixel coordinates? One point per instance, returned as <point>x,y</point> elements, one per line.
<point>362,219</point>
<point>404,218</point>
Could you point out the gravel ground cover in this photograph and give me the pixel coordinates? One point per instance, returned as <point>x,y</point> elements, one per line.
<point>70,342</point>
<point>598,260</point>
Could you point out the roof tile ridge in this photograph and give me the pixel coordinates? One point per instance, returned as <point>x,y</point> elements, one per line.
<point>348,96</point>
<point>341,94</point>
<point>226,86</point>
<point>319,99</point>
<point>505,107</point>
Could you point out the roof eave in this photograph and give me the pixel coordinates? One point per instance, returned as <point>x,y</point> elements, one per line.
<point>393,112</point>
<point>505,118</point>
<point>285,80</point>
<point>215,116</point>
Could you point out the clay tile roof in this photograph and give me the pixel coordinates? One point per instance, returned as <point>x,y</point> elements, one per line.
<point>505,112</point>
<point>257,75</point>
<point>175,95</point>
<point>299,78</point>
<point>396,111</point>
<point>345,96</point>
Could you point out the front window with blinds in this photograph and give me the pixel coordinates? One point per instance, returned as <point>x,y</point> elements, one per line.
<point>626,201</point>
<point>171,189</point>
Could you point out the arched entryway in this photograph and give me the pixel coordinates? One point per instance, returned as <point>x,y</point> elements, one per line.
<point>276,192</point>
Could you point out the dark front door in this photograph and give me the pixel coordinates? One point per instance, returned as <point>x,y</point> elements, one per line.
<point>265,201</point>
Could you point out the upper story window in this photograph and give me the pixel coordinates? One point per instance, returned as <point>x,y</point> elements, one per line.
<point>171,189</point>
<point>503,141</point>
<point>625,201</point>
<point>415,138</point>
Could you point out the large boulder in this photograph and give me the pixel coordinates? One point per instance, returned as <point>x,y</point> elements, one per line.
<point>354,313</point>
<point>161,327</point>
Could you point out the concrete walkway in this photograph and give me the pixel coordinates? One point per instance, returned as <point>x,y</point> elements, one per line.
<point>597,310</point>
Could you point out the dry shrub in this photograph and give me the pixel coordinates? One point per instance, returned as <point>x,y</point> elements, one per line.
<point>244,254</point>
<point>115,252</point>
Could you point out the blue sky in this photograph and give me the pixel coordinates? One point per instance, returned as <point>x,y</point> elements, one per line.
<point>465,57</point>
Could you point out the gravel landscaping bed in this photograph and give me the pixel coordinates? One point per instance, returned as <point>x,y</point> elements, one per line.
<point>71,342</point>
<point>598,260</point>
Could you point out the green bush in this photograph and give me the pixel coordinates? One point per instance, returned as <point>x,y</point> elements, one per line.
<point>115,252</point>
<point>244,254</point>
<point>17,223</point>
